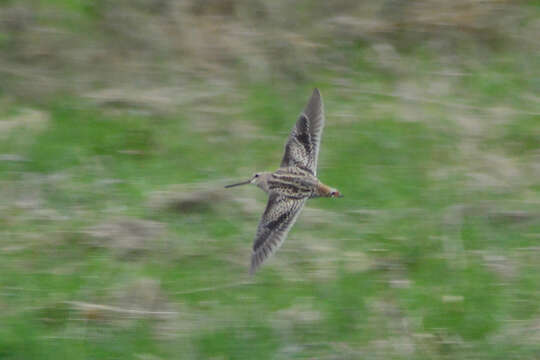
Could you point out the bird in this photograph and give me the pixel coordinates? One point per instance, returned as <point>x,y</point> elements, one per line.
<point>290,186</point>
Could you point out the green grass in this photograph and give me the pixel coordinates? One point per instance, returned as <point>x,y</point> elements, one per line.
<point>450,272</point>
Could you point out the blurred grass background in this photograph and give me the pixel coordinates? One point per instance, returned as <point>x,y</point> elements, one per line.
<point>120,121</point>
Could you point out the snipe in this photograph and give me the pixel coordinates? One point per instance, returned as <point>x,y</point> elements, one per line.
<point>292,184</point>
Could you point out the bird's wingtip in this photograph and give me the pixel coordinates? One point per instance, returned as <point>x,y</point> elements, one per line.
<point>316,95</point>
<point>254,265</point>
<point>252,270</point>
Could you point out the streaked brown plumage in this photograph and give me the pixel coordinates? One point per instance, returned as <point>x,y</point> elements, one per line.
<point>292,184</point>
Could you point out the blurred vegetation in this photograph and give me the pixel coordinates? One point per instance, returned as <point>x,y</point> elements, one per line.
<point>120,121</point>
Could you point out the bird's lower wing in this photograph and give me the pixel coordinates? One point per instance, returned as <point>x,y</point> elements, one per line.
<point>278,218</point>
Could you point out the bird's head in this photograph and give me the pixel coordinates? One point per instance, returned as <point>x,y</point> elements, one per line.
<point>258,179</point>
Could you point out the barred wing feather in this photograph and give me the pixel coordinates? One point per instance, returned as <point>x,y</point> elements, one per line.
<point>278,218</point>
<point>302,147</point>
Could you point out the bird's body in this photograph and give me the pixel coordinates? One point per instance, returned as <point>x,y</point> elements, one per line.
<point>292,184</point>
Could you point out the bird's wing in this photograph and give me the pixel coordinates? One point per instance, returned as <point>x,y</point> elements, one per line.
<point>302,147</point>
<point>278,218</point>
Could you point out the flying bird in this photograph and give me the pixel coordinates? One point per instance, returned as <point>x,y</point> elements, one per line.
<point>292,184</point>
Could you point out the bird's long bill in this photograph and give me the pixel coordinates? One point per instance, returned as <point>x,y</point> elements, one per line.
<point>238,184</point>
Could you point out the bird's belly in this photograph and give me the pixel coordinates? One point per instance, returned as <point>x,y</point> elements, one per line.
<point>292,186</point>
<point>292,192</point>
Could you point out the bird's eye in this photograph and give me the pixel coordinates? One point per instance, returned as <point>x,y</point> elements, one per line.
<point>256,175</point>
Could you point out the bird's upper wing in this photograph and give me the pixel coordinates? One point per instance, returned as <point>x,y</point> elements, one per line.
<point>280,214</point>
<point>302,147</point>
